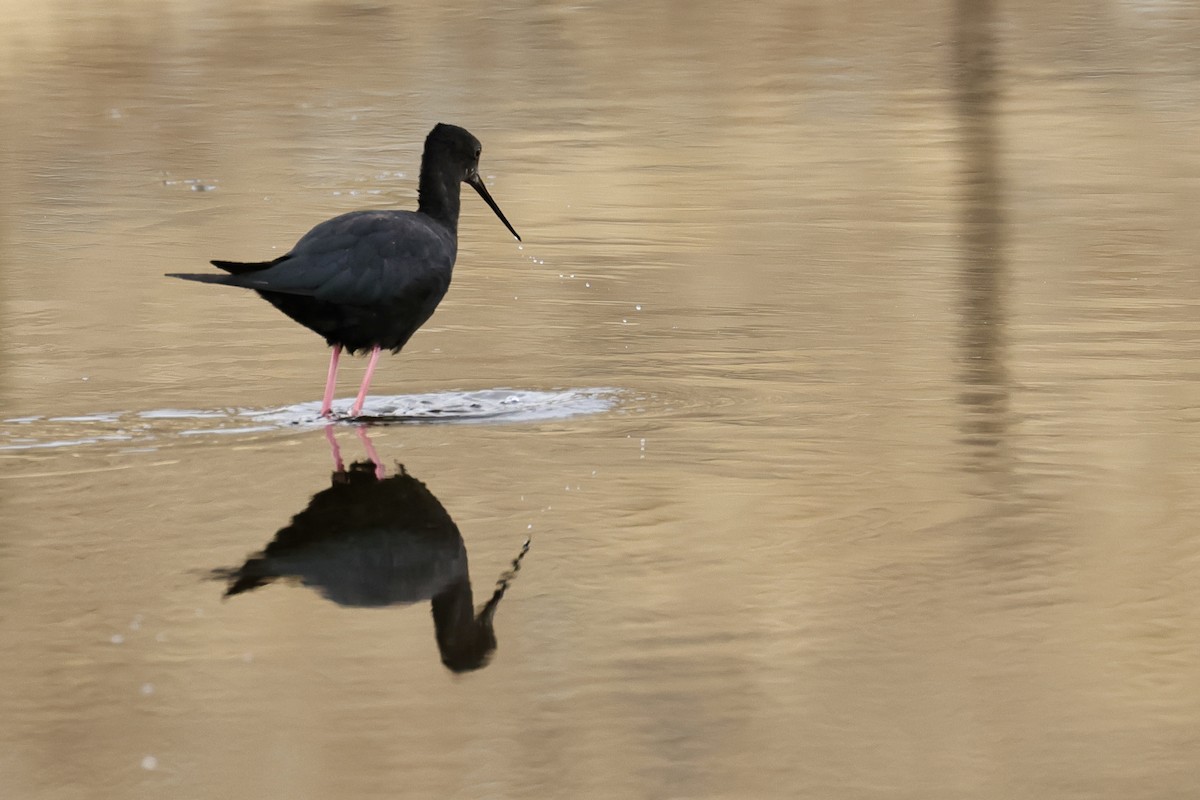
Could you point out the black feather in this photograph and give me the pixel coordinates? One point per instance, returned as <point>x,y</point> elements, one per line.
<point>238,267</point>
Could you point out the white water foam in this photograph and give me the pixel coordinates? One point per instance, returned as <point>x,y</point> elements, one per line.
<point>135,429</point>
<point>487,405</point>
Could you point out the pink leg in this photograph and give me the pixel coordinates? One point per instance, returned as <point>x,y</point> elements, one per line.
<point>338,465</point>
<point>330,382</point>
<point>380,472</point>
<point>362,391</point>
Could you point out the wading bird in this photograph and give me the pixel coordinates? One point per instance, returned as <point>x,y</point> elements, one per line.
<point>367,280</point>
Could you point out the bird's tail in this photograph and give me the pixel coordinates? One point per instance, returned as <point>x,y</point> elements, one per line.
<point>234,268</point>
<point>241,267</point>
<point>204,278</point>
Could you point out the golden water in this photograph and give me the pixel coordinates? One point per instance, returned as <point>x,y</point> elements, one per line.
<point>898,497</point>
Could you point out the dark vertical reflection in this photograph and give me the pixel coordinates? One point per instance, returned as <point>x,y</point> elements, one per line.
<point>982,321</point>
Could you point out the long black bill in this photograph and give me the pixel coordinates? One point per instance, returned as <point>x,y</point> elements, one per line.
<point>477,184</point>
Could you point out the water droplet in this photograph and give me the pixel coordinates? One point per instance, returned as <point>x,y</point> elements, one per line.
<point>637,307</point>
<point>587,286</point>
<point>149,763</point>
<point>117,639</point>
<point>147,689</point>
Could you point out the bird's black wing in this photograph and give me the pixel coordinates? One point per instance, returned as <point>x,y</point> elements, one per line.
<point>361,258</point>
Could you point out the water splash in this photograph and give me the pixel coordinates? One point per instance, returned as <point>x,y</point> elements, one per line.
<point>487,405</point>
<point>136,428</point>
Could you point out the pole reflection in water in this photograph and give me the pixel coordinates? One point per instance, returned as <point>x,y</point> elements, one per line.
<point>983,317</point>
<point>370,541</point>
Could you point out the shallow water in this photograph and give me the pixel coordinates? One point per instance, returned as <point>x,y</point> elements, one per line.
<point>844,388</point>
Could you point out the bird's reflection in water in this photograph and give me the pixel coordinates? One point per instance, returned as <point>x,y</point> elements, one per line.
<point>370,541</point>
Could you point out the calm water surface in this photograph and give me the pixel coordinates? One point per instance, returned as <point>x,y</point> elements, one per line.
<point>845,387</point>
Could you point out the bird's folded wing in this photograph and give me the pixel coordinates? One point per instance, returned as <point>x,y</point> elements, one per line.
<point>363,258</point>
<point>344,280</point>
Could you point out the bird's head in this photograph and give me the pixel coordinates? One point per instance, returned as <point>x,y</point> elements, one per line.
<point>458,150</point>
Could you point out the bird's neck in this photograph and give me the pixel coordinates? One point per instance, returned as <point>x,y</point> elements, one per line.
<point>438,197</point>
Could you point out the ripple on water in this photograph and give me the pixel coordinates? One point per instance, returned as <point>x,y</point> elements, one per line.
<point>139,427</point>
<point>486,405</point>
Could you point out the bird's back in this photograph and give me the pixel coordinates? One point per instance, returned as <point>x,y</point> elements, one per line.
<point>361,279</point>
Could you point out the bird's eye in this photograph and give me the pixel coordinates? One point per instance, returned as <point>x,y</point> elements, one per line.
<point>478,150</point>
